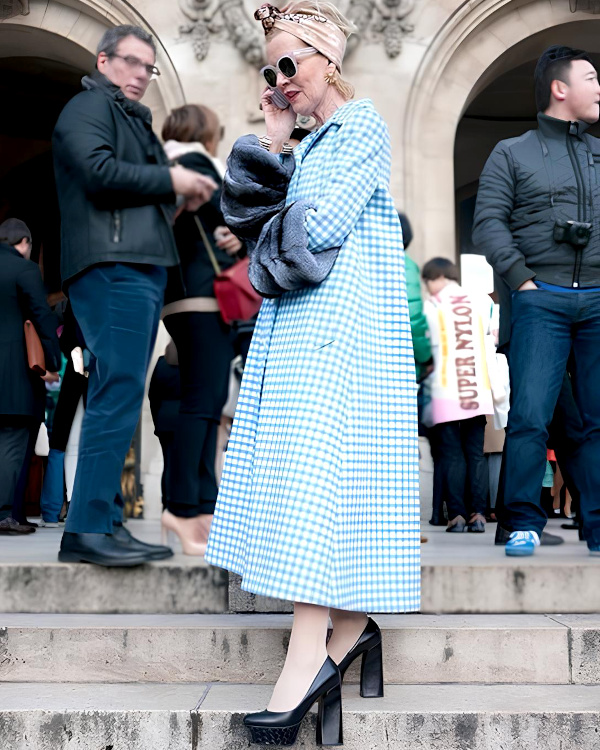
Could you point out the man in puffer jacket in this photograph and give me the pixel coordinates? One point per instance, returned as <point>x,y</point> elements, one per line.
<point>538,201</point>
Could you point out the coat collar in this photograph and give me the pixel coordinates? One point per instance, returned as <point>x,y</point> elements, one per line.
<point>551,127</point>
<point>10,249</point>
<point>137,116</point>
<point>100,82</point>
<point>337,118</point>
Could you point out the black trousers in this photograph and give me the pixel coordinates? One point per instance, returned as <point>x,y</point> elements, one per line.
<point>73,387</point>
<point>166,443</point>
<point>14,440</point>
<point>205,350</point>
<point>459,464</point>
<point>437,501</point>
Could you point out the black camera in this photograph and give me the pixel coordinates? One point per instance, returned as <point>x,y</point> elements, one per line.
<point>576,233</point>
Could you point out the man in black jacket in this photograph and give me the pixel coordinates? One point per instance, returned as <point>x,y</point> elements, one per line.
<point>539,196</point>
<point>22,393</point>
<point>117,198</point>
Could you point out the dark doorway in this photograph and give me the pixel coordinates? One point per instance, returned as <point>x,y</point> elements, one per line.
<point>33,91</point>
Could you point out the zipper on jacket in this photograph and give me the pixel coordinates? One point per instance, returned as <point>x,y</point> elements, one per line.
<point>116,226</point>
<point>581,203</point>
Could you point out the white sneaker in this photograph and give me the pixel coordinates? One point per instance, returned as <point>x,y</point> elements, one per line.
<point>48,524</point>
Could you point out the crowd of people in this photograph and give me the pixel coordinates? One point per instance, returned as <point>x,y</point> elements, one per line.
<point>318,498</point>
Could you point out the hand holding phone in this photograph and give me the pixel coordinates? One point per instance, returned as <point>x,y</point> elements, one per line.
<point>280,120</point>
<point>279,99</point>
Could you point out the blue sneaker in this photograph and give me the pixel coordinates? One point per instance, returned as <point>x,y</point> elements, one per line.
<point>522,543</point>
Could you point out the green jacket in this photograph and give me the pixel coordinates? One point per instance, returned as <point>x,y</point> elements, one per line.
<point>418,322</point>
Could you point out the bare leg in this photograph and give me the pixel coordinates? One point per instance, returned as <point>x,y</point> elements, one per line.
<point>306,655</point>
<point>347,629</point>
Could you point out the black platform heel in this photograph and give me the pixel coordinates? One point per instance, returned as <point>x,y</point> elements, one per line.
<point>371,671</point>
<point>274,728</point>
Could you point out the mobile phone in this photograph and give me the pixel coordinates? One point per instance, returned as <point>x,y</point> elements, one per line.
<point>279,99</point>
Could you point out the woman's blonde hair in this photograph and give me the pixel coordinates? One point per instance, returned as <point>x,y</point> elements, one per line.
<point>332,14</point>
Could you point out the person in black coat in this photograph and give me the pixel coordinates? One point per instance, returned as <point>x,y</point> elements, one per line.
<point>164,395</point>
<point>22,392</point>
<point>117,198</point>
<point>205,345</point>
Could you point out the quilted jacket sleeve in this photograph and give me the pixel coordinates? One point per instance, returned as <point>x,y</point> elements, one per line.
<point>363,146</point>
<point>491,227</point>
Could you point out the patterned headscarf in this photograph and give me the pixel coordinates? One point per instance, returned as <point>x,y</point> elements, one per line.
<point>315,30</point>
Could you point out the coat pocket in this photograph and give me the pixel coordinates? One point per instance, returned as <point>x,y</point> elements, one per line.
<point>324,344</point>
<point>116,226</point>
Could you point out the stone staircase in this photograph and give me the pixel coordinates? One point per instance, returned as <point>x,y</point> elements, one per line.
<point>150,659</point>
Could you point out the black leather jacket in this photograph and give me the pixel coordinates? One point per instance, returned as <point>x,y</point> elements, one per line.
<point>114,188</point>
<point>528,183</point>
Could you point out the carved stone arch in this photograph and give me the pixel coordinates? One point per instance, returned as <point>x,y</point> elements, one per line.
<point>377,21</point>
<point>70,31</point>
<point>481,40</point>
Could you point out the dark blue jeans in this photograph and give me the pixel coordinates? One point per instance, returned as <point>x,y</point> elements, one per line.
<point>460,469</point>
<point>117,307</point>
<point>547,327</point>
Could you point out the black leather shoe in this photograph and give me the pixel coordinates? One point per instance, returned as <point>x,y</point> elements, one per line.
<point>371,671</point>
<point>10,527</point>
<point>546,539</point>
<point>123,535</point>
<point>275,728</point>
<point>100,549</point>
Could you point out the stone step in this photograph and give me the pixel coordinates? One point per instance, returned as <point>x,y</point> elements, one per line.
<point>507,585</point>
<point>209,717</point>
<point>468,574</point>
<point>462,574</point>
<point>181,585</point>
<point>422,649</point>
<point>31,580</point>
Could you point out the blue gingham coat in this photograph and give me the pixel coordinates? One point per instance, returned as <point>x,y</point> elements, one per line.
<point>319,496</point>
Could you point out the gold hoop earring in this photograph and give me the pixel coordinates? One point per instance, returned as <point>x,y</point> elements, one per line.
<point>331,77</point>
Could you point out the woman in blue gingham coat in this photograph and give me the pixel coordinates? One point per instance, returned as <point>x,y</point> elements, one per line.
<point>318,501</point>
